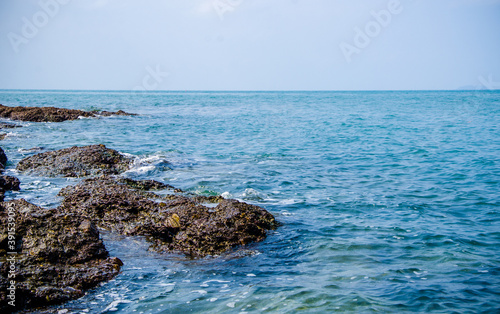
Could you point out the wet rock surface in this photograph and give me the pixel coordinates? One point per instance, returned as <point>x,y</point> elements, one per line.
<point>8,125</point>
<point>57,256</point>
<point>173,223</point>
<point>3,159</point>
<point>51,114</point>
<point>8,183</point>
<point>76,162</point>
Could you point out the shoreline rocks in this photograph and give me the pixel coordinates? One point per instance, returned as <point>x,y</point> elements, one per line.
<point>76,162</point>
<point>173,223</point>
<point>57,257</point>
<point>7,183</point>
<point>59,252</point>
<point>52,114</point>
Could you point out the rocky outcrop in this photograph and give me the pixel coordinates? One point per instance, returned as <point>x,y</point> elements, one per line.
<point>76,162</point>
<point>51,114</point>
<point>173,223</point>
<point>48,257</point>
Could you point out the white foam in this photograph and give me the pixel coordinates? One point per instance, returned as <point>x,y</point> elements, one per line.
<point>216,280</point>
<point>226,195</point>
<point>210,205</point>
<point>149,164</point>
<point>289,201</point>
<point>166,284</point>
<point>254,195</point>
<point>112,307</point>
<point>143,170</point>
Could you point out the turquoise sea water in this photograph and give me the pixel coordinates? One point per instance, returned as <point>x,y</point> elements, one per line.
<point>389,201</point>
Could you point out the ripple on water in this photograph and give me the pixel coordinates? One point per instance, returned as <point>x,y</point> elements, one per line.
<point>388,200</point>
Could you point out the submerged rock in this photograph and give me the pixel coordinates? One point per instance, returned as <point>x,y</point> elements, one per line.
<point>174,223</point>
<point>76,162</point>
<point>8,125</point>
<point>49,257</point>
<point>51,114</point>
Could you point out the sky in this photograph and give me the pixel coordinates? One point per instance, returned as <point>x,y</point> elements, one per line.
<point>249,44</point>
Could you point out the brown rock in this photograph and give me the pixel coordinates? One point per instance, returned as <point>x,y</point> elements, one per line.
<point>57,257</point>
<point>76,162</point>
<point>174,223</point>
<point>8,183</point>
<point>50,114</point>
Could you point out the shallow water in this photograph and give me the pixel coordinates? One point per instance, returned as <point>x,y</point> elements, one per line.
<point>389,201</point>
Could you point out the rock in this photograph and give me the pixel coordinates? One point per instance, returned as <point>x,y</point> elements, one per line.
<point>173,223</point>
<point>57,256</point>
<point>8,125</point>
<point>51,114</point>
<point>3,159</point>
<point>76,162</point>
<point>8,183</point>
<point>147,185</point>
<point>117,113</point>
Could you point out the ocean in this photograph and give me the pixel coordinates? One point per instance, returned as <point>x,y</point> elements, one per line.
<point>388,201</point>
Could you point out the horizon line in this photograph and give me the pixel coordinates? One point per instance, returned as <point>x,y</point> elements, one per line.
<point>239,91</point>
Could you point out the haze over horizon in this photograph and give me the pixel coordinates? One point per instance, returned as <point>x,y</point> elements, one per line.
<point>250,45</point>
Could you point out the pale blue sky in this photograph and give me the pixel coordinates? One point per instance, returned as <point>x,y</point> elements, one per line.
<point>248,44</point>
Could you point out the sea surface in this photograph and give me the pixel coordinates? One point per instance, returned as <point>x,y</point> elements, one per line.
<point>389,202</point>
